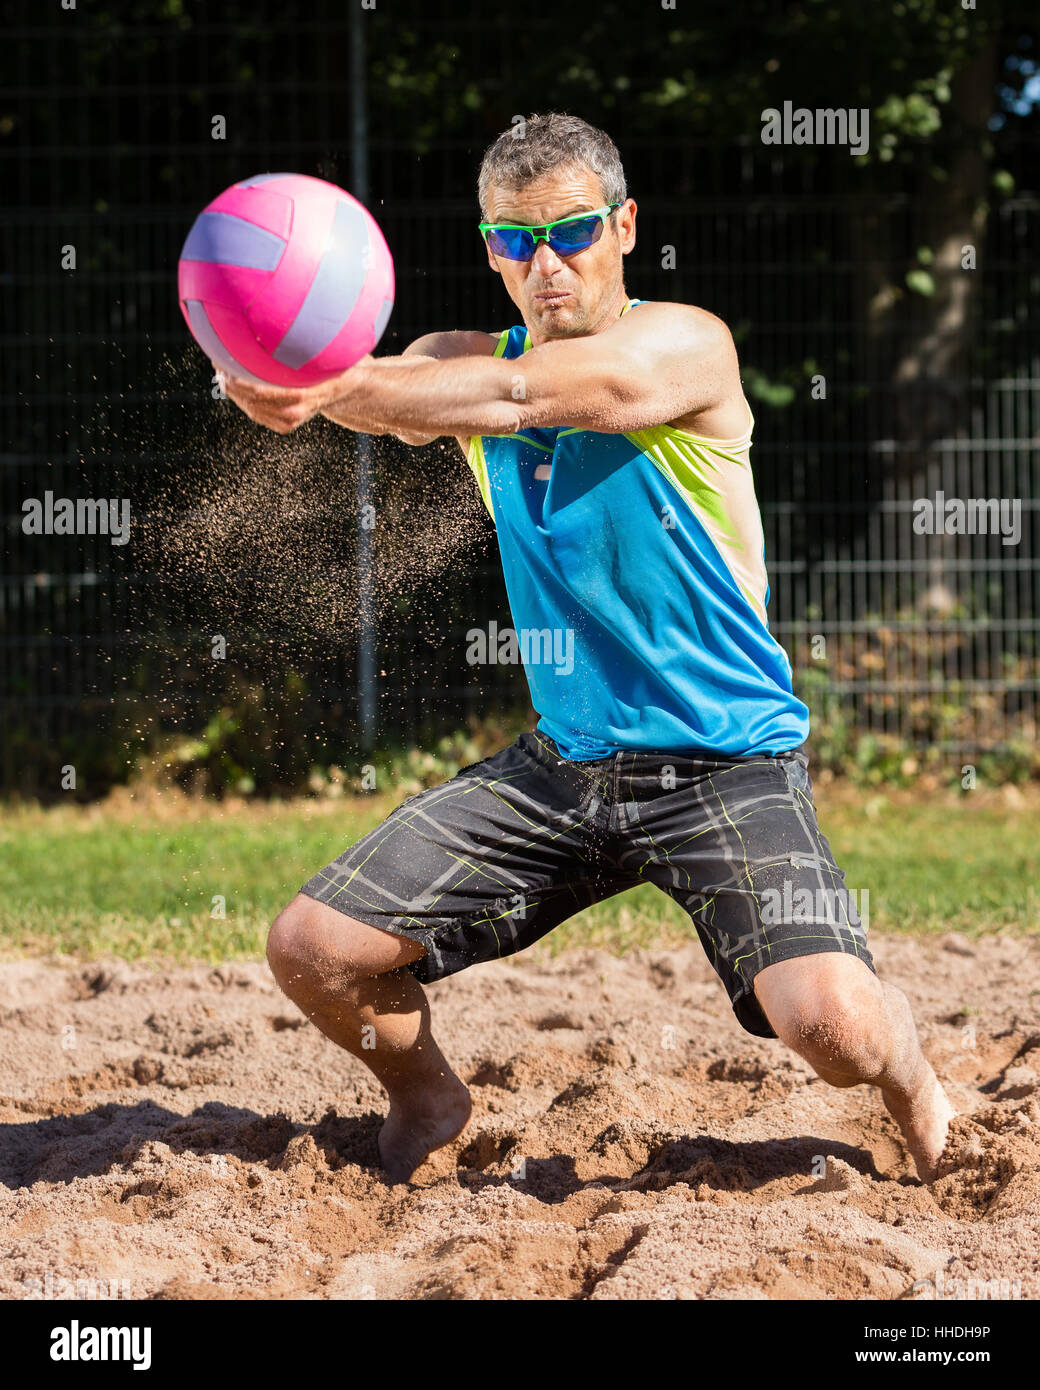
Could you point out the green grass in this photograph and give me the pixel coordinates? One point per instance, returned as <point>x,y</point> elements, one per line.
<point>135,883</point>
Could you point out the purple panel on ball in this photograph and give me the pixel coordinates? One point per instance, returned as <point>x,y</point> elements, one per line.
<point>206,336</point>
<point>225,240</point>
<point>382,317</point>
<point>333,292</point>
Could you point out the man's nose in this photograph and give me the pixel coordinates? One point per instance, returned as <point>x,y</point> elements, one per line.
<point>545,261</point>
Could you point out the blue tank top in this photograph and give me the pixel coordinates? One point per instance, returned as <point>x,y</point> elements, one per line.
<point>635,569</point>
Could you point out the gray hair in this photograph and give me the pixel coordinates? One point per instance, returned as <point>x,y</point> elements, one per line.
<point>537,144</point>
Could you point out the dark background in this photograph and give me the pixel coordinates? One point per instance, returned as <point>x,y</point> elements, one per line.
<point>819,262</point>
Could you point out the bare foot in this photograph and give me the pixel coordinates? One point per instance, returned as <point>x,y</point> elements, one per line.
<point>924,1117</point>
<point>417,1125</point>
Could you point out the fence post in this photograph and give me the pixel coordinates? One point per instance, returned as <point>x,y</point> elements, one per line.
<point>366,647</point>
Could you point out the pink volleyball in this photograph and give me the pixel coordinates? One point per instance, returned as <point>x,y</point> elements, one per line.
<point>285,280</point>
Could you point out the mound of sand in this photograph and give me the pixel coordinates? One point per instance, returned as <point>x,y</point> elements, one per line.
<point>187,1134</point>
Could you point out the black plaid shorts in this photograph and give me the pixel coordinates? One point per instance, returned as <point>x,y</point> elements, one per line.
<point>487,863</point>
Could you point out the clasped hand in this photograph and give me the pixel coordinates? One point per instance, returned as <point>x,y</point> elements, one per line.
<point>283,408</point>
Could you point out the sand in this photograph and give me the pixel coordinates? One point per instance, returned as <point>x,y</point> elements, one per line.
<point>185,1133</point>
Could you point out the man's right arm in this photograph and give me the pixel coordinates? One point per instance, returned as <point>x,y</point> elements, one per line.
<point>438,347</point>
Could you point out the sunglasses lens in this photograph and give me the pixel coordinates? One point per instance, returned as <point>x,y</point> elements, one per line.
<point>517,243</point>
<point>514,243</point>
<point>578,235</point>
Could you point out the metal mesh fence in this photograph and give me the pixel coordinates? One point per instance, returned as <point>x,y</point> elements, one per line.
<point>931,639</point>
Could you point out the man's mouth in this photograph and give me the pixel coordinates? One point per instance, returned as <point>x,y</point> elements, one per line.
<point>552,298</point>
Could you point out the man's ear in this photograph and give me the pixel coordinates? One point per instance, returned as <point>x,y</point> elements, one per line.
<point>627,230</point>
<point>492,259</point>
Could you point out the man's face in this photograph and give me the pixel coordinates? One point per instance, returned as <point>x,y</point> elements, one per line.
<point>563,297</point>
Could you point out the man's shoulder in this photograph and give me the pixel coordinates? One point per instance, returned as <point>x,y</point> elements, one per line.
<point>703,338</point>
<point>684,318</point>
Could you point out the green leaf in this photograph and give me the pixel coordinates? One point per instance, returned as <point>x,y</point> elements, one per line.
<point>920,282</point>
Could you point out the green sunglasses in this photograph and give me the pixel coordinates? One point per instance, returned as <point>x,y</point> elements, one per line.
<point>518,243</point>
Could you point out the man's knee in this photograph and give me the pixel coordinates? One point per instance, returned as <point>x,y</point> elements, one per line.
<point>295,942</point>
<point>314,948</point>
<point>836,1020</point>
<point>837,1036</point>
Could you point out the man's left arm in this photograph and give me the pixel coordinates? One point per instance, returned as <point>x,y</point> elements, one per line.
<point>658,363</point>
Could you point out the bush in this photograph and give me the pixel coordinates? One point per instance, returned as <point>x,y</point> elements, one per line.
<point>408,770</point>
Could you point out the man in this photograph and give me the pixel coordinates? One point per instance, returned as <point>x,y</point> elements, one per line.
<point>609,437</point>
